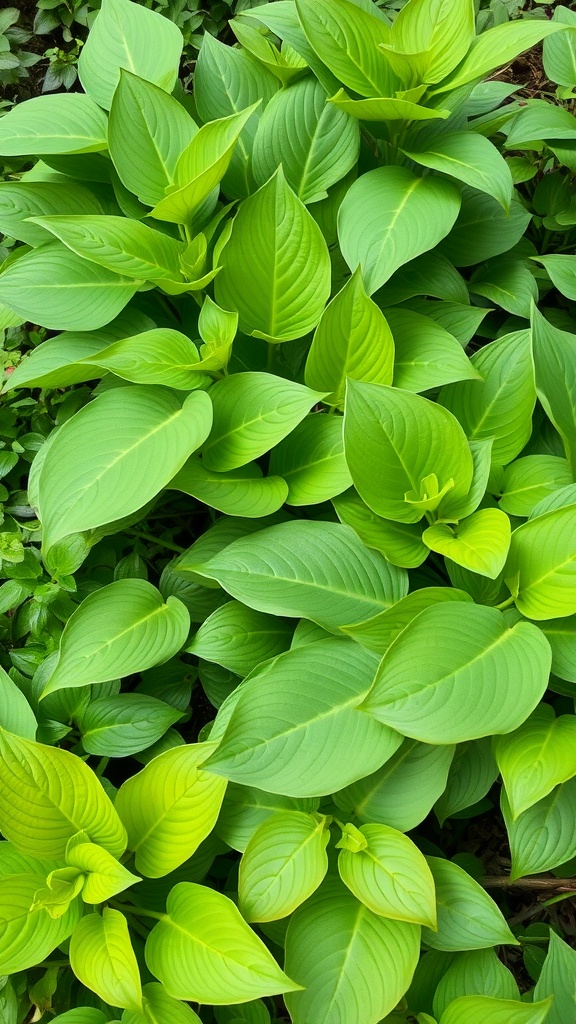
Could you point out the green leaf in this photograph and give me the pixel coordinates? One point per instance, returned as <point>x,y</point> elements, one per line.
<point>536,757</point>
<point>285,63</point>
<point>431,274</point>
<point>48,795</point>
<point>427,356</point>
<point>93,471</point>
<point>405,453</point>
<point>316,143</point>
<point>559,58</point>
<point>542,564</point>
<point>239,638</point>
<point>102,958</point>
<point>314,570</point>
<point>386,108</point>
<point>477,1009</point>
<point>400,543</point>
<point>507,281</point>
<point>22,200</point>
<point>468,918</point>
<point>542,837</point>
<point>277,246</point>
<point>123,725</point>
<point>562,272</point>
<point>478,972</point>
<point>81,1015</point>
<point>160,1008</point>
<point>352,340</point>
<point>290,719</point>
<point>252,413</point>
<point>146,120</point>
<point>379,632</point>
<point>119,38</point>
<point>561,635</point>
<point>454,677</point>
<point>169,808</point>
<point>105,876</point>
<point>470,158</point>
<point>556,379</point>
<point>54,287</point>
<point>245,808</point>
<point>432,37</point>
<point>282,865</point>
<point>354,965</point>
<point>16,715</point>
<point>389,216</point>
<point>204,951</point>
<point>311,461</point>
<point>460,320</point>
<point>557,980</point>
<point>64,123</point>
<point>471,776</point>
<point>387,872</point>
<point>29,935</point>
<point>161,356</point>
<point>483,229</point>
<point>479,543</point>
<point>239,492</point>
<point>528,480</point>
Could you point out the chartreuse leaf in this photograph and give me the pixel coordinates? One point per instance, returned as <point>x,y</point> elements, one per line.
<point>478,1009</point>
<point>400,543</point>
<point>160,1008</point>
<point>122,628</point>
<point>16,715</point>
<point>427,356</point>
<point>252,413</point>
<point>314,570</point>
<point>499,406</point>
<point>468,918</point>
<point>22,200</point>
<point>245,808</point>
<point>276,245</point>
<point>536,757</point>
<point>459,673</point>
<point>170,807</point>
<point>389,216</point>
<point>311,461</point>
<point>352,340</point>
<point>479,543</point>
<point>432,37</point>
<point>353,964</point>
<point>469,157</point>
<point>384,108</point>
<point>541,565</point>
<point>105,876</point>
<point>290,719</point>
<point>48,795</point>
<point>472,773</point>
<point>528,480</point>
<point>282,865</point>
<point>406,454</point>
<point>66,123</point>
<point>146,120</point>
<point>239,492</point>
<point>478,972</point>
<point>124,724</point>
<point>542,837</point>
<point>561,635</point>
<point>217,329</point>
<point>29,935</point>
<point>203,950</point>
<point>239,638</point>
<point>118,40</point>
<point>557,979</point>
<point>286,64</point>
<point>379,632</point>
<point>387,872</point>
<point>160,356</point>
<point>115,454</point>
<point>102,958</point>
<point>556,379</point>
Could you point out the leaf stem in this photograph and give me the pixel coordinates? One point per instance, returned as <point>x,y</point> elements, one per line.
<point>137,911</point>
<point>505,604</point>
<point>168,544</point>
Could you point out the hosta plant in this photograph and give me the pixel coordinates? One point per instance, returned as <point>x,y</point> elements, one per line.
<point>290,604</point>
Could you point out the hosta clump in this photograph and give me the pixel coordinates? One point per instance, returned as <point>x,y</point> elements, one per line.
<point>304,590</point>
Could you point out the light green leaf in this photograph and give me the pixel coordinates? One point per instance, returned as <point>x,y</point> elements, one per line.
<point>556,379</point>
<point>170,807</point>
<point>478,1009</point>
<point>468,918</point>
<point>471,776</point>
<point>562,272</point>
<point>427,356</point>
<point>387,872</point>
<point>541,566</point>
<point>105,876</point>
<point>239,492</point>
<point>64,123</point>
<point>536,757</point>
<point>116,454</point>
<point>311,461</point>
<point>478,972</point>
<point>279,248</point>
<point>161,356</point>
<point>285,63</point>
<point>123,725</point>
<point>386,108</point>
<point>120,39</point>
<point>483,229</point>
<point>16,715</point>
<point>389,216</point>
<point>542,837</point>
<point>454,677</point>
<point>29,936</point>
<point>442,31</point>
<point>530,479</point>
<point>431,274</point>
<point>460,320</point>
<point>22,200</point>
<point>400,543</point>
<point>314,570</point>
<point>204,951</point>
<point>470,158</point>
<point>80,1015</point>
<point>559,57</point>
<point>557,979</point>
<point>283,864</point>
<point>102,958</point>
<point>240,638</point>
<point>379,632</point>
<point>561,635</point>
<point>507,281</point>
<point>479,543</point>
<point>160,1008</point>
<point>245,808</point>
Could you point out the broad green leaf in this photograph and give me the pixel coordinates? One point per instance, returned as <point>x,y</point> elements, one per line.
<point>457,674</point>
<point>427,356</point>
<point>478,972</point>
<point>252,413</point>
<point>556,379</point>
<point>528,480</point>
<point>472,774</point>
<point>431,274</point>
<point>293,717</point>
<point>499,406</point>
<point>316,143</point>
<point>478,1009</point>
<point>532,125</point>
<point>311,461</point>
<point>239,492</point>
<point>432,37</point>
<point>387,872</point>
<point>22,200</point>
<point>479,543</point>
<point>557,979</point>
<point>389,216</point>
<point>120,39</point>
<point>460,320</point>
<point>406,454</point>
<point>468,917</point>
<point>315,570</point>
<point>277,246</point>
<point>120,629</point>
<point>81,1015</point>
<point>161,356</point>
<point>284,63</point>
<point>470,158</point>
<point>559,58</point>
<point>483,229</point>
<point>102,958</point>
<point>536,757</point>
<point>105,876</point>
<point>169,808</point>
<point>352,340</point>
<point>379,632</point>
<point>561,635</point>
<point>507,281</point>
<point>353,964</point>
<point>48,795</point>
<point>28,935</point>
<point>54,287</point>
<point>386,108</point>
<point>400,543</point>
<point>240,638</point>
<point>282,865</point>
<point>542,837</point>
<point>215,539</point>
<point>404,790</point>
<point>204,951</point>
<point>562,272</point>
<point>245,808</point>
<point>116,454</point>
<point>16,715</point>
<point>123,725</point>
<point>542,564</point>
<point>146,120</point>
<point>160,1008</point>
<point>64,123</point>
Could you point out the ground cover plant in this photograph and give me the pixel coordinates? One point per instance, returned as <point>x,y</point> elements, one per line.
<point>289,539</point>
